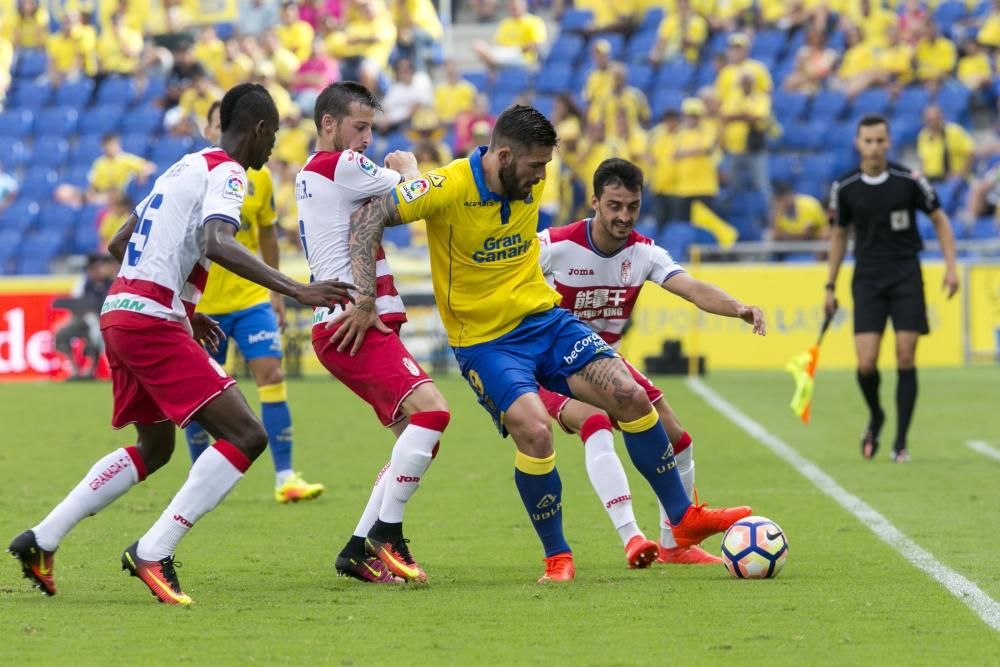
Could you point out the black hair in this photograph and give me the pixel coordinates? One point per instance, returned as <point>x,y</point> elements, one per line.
<point>336,100</point>
<point>783,188</point>
<point>615,171</point>
<point>245,105</point>
<point>525,126</point>
<point>108,136</point>
<point>872,119</point>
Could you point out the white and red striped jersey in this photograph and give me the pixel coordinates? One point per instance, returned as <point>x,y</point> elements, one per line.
<point>601,289</point>
<point>328,189</point>
<point>165,269</point>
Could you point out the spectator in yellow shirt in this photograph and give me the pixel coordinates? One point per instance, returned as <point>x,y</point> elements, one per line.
<point>617,16</point>
<point>894,61</point>
<point>294,34</point>
<point>989,31</point>
<point>858,68</point>
<point>974,70</point>
<point>111,172</point>
<point>599,81</point>
<point>235,67</point>
<point>797,217</point>
<point>746,120</point>
<point>28,27</point>
<point>946,150</point>
<point>286,64</point>
<point>418,29</point>
<point>873,21</point>
<point>814,62</point>
<point>695,159</point>
<point>596,146</point>
<point>364,45</point>
<point>517,41</point>
<point>199,98</point>
<point>681,33</point>
<point>727,15</point>
<point>73,50</point>
<point>663,183</point>
<point>622,98</point>
<point>6,62</point>
<point>738,63</point>
<point>453,95</point>
<point>119,47</point>
<point>935,56</point>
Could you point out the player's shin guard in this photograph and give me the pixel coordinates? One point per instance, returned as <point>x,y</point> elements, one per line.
<point>210,479</point>
<point>653,456</point>
<point>538,483</point>
<point>607,475</point>
<point>411,456</point>
<point>198,440</point>
<point>104,483</point>
<point>277,420</point>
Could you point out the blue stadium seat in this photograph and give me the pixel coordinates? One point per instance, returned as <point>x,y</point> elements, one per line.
<point>984,228</point>
<point>827,105</point>
<point>512,80</point>
<point>147,119</point>
<point>156,88</point>
<point>782,167</point>
<point>716,44</point>
<point>86,150</point>
<point>575,20</point>
<point>57,217</point>
<point>33,266</point>
<point>810,185</point>
<point>78,175</point>
<point>580,76</point>
<point>674,75</point>
<point>20,215</point>
<point>15,123</point>
<point>30,94</point>
<point>225,31</point>
<point>31,63</point>
<point>477,79</point>
<point>954,101</point>
<point>42,245</point>
<point>12,152</point>
<point>57,121</point>
<point>86,239</point>
<point>136,143</point>
<point>837,41</point>
<point>566,49</point>
<point>789,106</point>
<point>947,14</point>
<point>912,98</point>
<point>49,151</point>
<point>676,238</point>
<point>500,101</point>
<point>641,76</point>
<point>665,100</point>
<point>116,90</point>
<point>75,93</point>
<point>101,119</point>
<point>768,44</point>
<point>555,77</point>
<point>399,235</point>
<point>38,183</point>
<point>704,237</point>
<point>168,150</point>
<point>704,75</point>
<point>651,20</point>
<point>873,100</point>
<point>835,135</point>
<point>639,45</point>
<point>544,104</point>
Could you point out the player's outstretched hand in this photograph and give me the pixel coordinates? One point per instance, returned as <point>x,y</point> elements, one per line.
<point>950,283</point>
<point>324,293</point>
<point>755,316</point>
<point>404,162</point>
<point>206,331</point>
<point>354,323</point>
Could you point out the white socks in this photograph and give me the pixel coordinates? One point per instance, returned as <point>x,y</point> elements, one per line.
<point>411,456</point>
<point>106,481</point>
<point>607,475</point>
<point>370,515</point>
<point>210,479</point>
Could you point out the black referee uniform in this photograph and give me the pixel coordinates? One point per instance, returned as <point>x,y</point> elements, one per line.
<point>888,282</point>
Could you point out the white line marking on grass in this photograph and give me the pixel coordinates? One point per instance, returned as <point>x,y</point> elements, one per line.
<point>969,593</point>
<point>983,448</point>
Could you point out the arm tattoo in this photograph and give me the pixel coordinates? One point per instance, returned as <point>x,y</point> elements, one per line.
<point>367,224</point>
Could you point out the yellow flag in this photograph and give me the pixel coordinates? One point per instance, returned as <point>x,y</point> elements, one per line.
<point>702,216</point>
<point>803,369</point>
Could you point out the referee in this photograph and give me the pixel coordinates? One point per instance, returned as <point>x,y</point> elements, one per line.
<point>880,199</point>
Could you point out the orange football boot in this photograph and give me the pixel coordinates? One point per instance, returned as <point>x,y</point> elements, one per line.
<point>641,552</point>
<point>687,556</point>
<point>699,522</point>
<point>559,568</point>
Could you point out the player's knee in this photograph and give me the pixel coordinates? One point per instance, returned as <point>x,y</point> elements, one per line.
<point>425,398</point>
<point>251,440</point>
<point>155,455</point>
<point>867,366</point>
<point>534,438</point>
<point>269,374</point>
<point>633,404</point>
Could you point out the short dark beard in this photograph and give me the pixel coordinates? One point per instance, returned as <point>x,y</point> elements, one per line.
<point>508,181</point>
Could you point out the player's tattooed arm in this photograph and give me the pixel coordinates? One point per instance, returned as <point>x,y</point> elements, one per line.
<point>118,244</point>
<point>367,225</point>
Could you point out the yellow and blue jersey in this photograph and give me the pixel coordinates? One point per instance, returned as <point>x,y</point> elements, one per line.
<point>483,248</point>
<point>227,292</point>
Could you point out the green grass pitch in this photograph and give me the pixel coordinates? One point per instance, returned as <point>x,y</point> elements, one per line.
<point>265,590</point>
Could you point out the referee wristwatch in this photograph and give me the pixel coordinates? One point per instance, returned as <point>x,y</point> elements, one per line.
<point>829,287</point>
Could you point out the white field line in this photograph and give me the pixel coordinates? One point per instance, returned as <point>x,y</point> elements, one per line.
<point>969,593</point>
<point>984,449</point>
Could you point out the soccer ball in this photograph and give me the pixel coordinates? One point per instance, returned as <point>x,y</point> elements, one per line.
<point>754,548</point>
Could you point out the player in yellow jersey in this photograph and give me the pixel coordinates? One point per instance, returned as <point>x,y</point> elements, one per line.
<point>505,328</point>
<point>251,316</point>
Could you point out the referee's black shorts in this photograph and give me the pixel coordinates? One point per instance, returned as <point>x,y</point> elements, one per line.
<point>889,289</point>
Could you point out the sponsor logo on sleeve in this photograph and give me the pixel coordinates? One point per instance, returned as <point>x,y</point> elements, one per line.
<point>368,166</point>
<point>413,190</point>
<point>234,189</point>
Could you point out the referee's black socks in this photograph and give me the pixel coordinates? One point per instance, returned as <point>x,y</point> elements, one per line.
<point>906,399</point>
<point>869,383</point>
